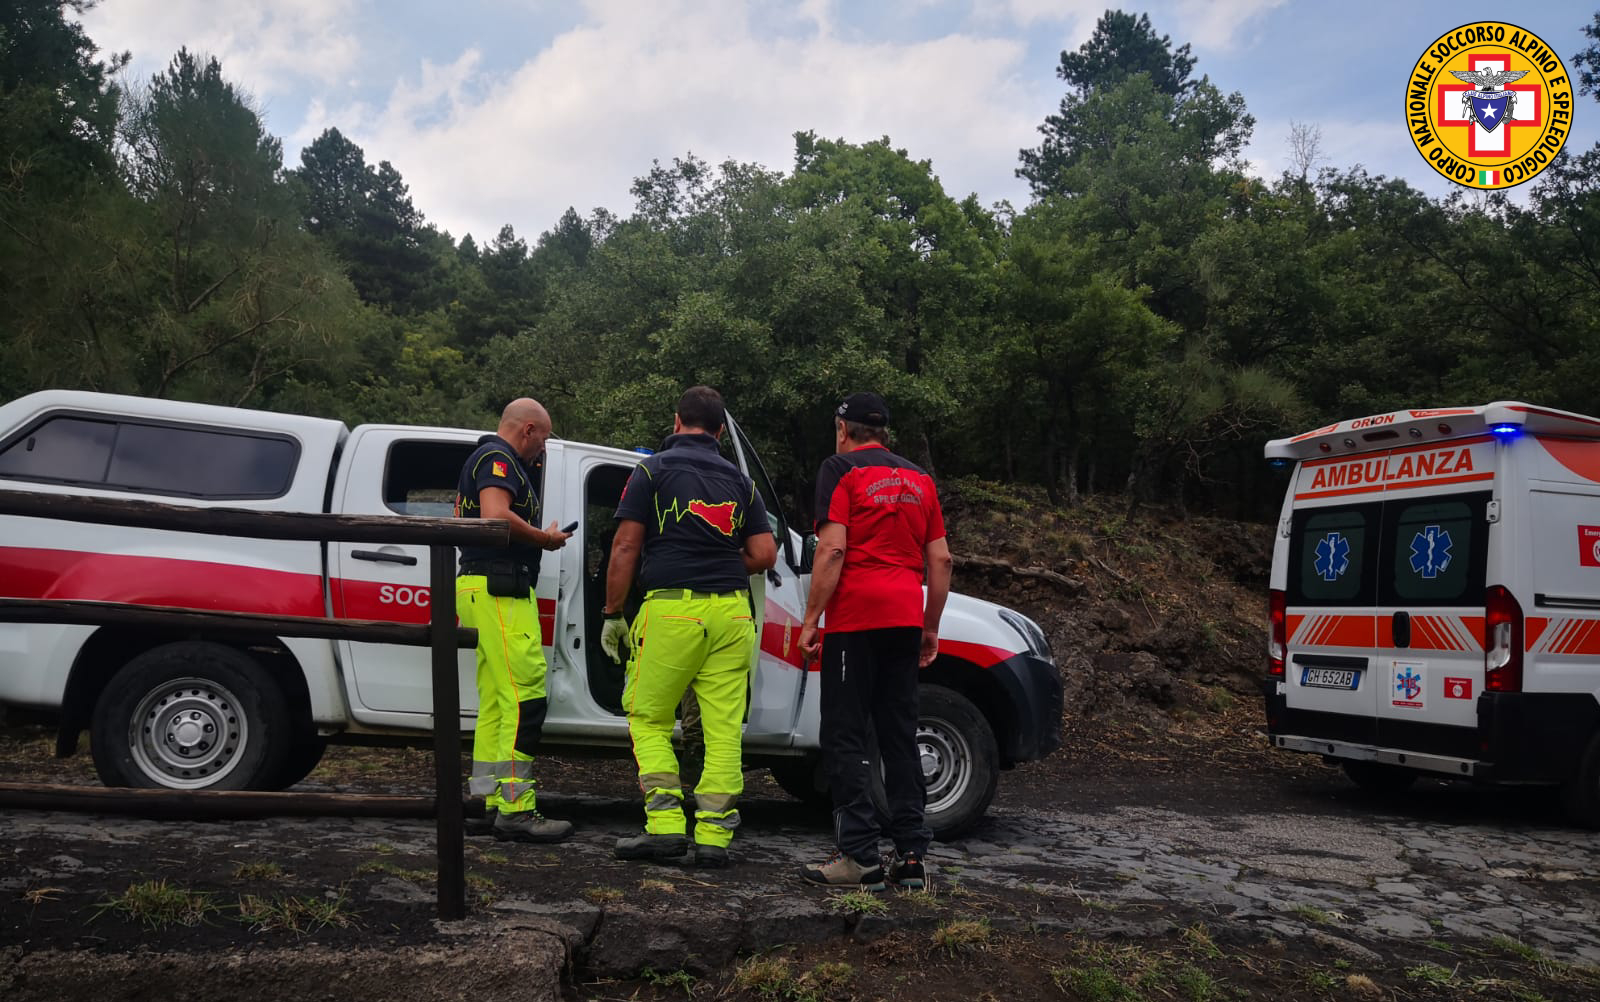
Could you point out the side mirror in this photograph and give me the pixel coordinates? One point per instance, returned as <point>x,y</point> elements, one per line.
<point>808,552</point>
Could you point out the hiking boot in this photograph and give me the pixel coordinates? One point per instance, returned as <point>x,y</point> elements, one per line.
<point>710,857</point>
<point>907,871</point>
<point>529,826</point>
<point>477,827</point>
<point>842,871</point>
<point>648,846</point>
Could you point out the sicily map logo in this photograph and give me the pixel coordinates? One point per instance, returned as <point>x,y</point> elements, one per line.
<point>1489,105</point>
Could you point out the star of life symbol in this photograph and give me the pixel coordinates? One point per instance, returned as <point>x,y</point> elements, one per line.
<point>1408,685</point>
<point>1485,105</point>
<point>1430,552</point>
<point>1333,556</point>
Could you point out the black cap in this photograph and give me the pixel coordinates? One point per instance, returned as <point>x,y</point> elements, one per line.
<point>864,408</point>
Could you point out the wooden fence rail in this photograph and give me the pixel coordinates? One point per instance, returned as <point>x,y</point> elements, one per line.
<point>440,535</point>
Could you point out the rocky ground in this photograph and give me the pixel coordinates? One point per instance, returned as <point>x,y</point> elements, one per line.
<point>1163,853</point>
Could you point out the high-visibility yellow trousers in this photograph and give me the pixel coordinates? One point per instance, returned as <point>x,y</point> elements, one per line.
<point>687,639</point>
<point>511,693</point>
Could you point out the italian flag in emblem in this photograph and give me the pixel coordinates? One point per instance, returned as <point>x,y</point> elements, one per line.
<point>1489,177</point>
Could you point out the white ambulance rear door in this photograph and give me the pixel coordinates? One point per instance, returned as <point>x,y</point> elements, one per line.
<point>1432,576</point>
<point>1561,600</point>
<point>1331,596</point>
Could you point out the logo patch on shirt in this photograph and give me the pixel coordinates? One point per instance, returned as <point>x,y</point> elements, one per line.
<point>718,516</point>
<point>498,469</point>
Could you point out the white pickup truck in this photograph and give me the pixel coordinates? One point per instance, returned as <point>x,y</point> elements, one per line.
<point>189,711</point>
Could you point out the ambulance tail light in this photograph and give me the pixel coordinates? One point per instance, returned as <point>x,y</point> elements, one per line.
<point>1277,634</point>
<point>1502,641</point>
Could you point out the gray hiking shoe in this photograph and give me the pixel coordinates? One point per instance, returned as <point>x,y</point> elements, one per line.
<point>648,846</point>
<point>529,826</point>
<point>710,857</point>
<point>842,871</point>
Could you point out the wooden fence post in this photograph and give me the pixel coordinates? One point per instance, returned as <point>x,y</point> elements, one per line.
<point>447,732</point>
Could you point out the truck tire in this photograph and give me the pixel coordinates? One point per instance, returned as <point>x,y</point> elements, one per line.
<point>305,756</point>
<point>960,761</point>
<point>803,780</point>
<point>191,716</point>
<point>1580,794</point>
<point>1379,777</point>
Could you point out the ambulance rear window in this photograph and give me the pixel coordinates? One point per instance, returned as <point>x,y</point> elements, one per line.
<point>1328,557</point>
<point>1435,550</point>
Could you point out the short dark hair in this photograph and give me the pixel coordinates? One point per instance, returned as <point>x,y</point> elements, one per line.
<point>701,407</point>
<point>858,432</point>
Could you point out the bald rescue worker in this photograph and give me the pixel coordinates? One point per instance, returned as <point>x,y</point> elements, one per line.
<point>494,595</point>
<point>703,530</point>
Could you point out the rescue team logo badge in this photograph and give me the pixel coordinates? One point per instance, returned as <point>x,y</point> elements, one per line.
<point>1489,105</point>
<point>1408,685</point>
<point>498,469</point>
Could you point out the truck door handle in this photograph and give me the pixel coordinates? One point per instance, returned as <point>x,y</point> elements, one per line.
<point>385,558</point>
<point>1401,627</point>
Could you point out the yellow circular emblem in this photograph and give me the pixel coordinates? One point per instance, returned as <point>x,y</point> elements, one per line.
<point>1489,105</point>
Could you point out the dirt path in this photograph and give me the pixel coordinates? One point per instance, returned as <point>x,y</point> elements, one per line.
<point>1291,855</point>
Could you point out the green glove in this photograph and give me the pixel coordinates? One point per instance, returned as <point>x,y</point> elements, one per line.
<point>612,634</point>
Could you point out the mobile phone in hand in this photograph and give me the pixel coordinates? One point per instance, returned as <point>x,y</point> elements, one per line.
<point>569,527</point>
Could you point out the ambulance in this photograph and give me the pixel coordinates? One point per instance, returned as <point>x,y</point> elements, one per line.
<point>1435,599</point>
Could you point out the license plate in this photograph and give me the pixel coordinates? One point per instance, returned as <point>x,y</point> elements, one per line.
<point>1330,678</point>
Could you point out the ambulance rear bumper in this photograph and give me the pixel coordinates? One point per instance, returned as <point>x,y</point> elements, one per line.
<point>1462,768</point>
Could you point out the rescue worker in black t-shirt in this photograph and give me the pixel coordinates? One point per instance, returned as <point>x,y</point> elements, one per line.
<point>703,530</point>
<point>494,595</point>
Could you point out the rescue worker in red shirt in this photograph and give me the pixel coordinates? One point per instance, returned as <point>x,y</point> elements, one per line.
<point>703,530</point>
<point>880,533</point>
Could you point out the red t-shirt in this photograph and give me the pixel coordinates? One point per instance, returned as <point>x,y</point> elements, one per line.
<point>890,510</point>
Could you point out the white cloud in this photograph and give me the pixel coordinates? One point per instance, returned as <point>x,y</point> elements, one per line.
<point>1218,24</point>
<point>265,45</point>
<point>579,120</point>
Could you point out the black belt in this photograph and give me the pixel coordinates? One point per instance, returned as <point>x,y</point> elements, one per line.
<point>688,593</point>
<point>495,564</point>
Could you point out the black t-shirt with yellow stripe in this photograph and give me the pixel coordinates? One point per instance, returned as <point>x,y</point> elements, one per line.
<point>496,464</point>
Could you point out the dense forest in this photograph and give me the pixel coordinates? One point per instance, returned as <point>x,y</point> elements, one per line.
<point>1139,328</point>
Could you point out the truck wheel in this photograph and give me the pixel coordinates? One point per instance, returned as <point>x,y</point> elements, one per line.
<point>960,761</point>
<point>1580,794</point>
<point>802,779</point>
<point>1379,777</point>
<point>305,756</point>
<point>191,716</point>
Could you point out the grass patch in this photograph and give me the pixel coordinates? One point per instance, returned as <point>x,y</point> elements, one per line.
<point>1322,981</point>
<point>297,914</point>
<point>1431,974</point>
<point>774,978</point>
<point>1198,939</point>
<point>679,979</point>
<point>603,895</point>
<point>1220,700</point>
<point>156,904</point>
<point>859,903</point>
<point>482,886</point>
<point>1363,987</point>
<point>962,935</point>
<point>1517,948</point>
<point>257,871</point>
<point>768,977</point>
<point>39,895</point>
<point>1092,984</point>
<point>650,884</point>
<point>494,857</point>
<point>1311,913</point>
<point>1196,985</point>
<point>396,870</point>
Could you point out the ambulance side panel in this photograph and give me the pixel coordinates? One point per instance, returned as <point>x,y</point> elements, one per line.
<point>1562,546</point>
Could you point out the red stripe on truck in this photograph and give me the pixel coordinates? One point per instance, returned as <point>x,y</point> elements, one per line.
<point>27,572</point>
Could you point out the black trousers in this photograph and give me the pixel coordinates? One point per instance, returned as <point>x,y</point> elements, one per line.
<point>869,695</point>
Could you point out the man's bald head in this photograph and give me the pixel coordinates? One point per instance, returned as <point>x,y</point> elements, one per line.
<point>526,425</point>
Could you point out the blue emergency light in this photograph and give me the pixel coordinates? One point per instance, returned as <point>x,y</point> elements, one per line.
<point>1505,432</point>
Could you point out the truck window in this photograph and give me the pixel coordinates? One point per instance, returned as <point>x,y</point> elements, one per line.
<point>178,460</point>
<point>200,462</point>
<point>420,477</point>
<point>1435,550</point>
<point>61,449</point>
<point>1328,559</point>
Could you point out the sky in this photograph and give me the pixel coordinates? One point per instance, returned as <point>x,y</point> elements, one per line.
<point>510,111</point>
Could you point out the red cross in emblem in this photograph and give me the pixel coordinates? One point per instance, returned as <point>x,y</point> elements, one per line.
<point>1449,98</point>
